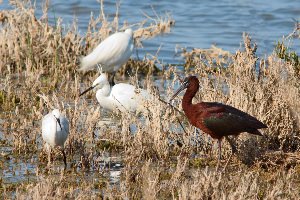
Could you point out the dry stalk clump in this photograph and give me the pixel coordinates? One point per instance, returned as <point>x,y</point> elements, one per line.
<point>30,44</point>
<point>296,32</point>
<point>214,57</point>
<point>264,92</point>
<point>55,188</point>
<point>158,26</point>
<point>100,28</point>
<point>207,184</point>
<point>142,67</point>
<point>159,159</point>
<point>266,89</point>
<point>41,60</point>
<point>154,180</point>
<point>149,141</point>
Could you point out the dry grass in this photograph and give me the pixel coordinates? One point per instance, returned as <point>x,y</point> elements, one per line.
<point>159,160</point>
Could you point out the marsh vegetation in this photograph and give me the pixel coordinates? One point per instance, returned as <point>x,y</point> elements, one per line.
<point>158,159</point>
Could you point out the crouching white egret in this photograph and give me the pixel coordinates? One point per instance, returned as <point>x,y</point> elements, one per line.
<point>122,96</point>
<point>55,131</point>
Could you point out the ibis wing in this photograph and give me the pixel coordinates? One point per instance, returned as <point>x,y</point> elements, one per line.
<point>229,120</point>
<point>225,123</point>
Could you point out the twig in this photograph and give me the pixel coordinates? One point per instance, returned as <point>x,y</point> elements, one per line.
<point>177,111</point>
<point>161,100</point>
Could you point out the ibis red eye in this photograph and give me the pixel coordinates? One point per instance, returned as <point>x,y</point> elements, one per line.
<point>186,83</point>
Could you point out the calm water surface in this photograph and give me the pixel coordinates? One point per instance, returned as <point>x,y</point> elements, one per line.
<point>198,23</point>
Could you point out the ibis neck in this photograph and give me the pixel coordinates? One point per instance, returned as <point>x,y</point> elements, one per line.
<point>188,96</point>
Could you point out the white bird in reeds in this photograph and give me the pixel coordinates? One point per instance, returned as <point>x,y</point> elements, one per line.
<point>110,54</point>
<point>55,131</point>
<point>123,97</point>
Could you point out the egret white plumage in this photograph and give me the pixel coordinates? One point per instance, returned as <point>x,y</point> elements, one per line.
<point>111,53</point>
<point>122,96</point>
<point>55,131</point>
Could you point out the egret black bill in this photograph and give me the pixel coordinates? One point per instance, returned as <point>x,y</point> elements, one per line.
<point>90,88</point>
<point>58,121</point>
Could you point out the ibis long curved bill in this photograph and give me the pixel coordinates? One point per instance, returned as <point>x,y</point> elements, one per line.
<point>184,85</point>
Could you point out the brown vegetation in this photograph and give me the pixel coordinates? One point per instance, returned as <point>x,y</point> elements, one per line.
<point>38,68</point>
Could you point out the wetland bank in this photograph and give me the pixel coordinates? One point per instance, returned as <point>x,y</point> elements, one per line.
<point>159,160</point>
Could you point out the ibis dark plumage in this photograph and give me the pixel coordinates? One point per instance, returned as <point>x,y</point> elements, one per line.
<point>216,119</point>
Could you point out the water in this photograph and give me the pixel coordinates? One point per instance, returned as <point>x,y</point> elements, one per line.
<point>199,24</point>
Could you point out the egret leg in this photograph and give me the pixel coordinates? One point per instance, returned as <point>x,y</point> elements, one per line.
<point>130,129</point>
<point>65,157</point>
<point>49,156</point>
<point>112,79</point>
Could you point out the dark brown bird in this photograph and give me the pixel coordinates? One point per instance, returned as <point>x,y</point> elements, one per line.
<point>216,119</point>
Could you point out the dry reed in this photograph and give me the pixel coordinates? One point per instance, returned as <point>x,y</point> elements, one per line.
<point>159,160</point>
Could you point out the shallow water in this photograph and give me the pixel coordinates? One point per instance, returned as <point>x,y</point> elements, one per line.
<point>198,24</point>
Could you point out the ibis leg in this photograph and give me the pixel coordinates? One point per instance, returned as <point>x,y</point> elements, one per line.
<point>232,145</point>
<point>233,151</point>
<point>219,144</point>
<point>219,160</point>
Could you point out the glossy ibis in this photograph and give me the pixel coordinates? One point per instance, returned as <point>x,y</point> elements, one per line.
<point>122,96</point>
<point>55,131</point>
<point>216,119</point>
<point>111,53</point>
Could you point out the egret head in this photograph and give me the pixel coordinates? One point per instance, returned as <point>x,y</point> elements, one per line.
<point>56,115</point>
<point>99,83</point>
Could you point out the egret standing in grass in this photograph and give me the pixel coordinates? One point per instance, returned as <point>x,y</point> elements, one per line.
<point>122,96</point>
<point>111,53</point>
<point>55,131</point>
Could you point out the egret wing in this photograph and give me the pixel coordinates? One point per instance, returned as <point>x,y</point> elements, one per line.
<point>128,97</point>
<point>49,129</point>
<point>114,50</point>
<point>64,132</point>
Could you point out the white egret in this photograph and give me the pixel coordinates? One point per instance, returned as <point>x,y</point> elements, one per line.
<point>111,53</point>
<point>55,131</point>
<point>122,96</point>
